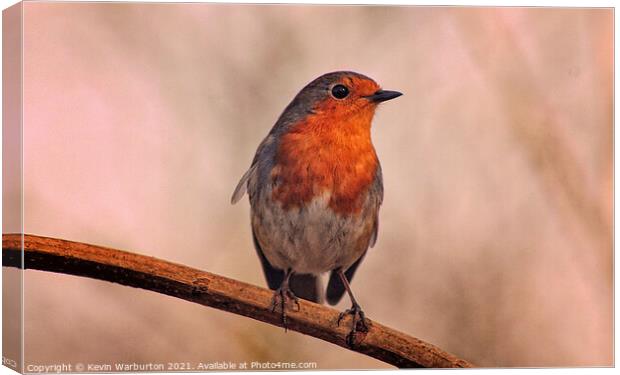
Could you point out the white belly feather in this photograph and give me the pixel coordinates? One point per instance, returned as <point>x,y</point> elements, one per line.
<point>312,239</point>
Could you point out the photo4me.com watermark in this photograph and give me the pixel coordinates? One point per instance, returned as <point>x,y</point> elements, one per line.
<point>166,366</point>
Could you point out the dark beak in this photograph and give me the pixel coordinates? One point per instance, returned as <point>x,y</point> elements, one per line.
<point>383,95</point>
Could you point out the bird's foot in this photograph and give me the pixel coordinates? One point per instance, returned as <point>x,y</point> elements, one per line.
<point>280,298</point>
<point>358,323</point>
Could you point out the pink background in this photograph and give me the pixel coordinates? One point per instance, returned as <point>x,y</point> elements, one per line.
<point>495,240</point>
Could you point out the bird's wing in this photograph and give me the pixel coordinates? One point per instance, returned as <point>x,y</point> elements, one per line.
<point>376,190</point>
<point>242,186</point>
<point>375,232</point>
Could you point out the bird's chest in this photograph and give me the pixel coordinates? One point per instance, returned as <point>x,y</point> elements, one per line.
<point>317,210</point>
<point>339,169</point>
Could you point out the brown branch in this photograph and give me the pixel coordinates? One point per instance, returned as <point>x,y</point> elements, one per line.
<point>74,258</point>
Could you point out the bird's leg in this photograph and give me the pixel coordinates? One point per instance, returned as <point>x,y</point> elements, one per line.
<point>282,294</point>
<point>359,319</point>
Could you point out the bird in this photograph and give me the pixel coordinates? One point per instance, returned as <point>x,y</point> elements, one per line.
<point>315,187</point>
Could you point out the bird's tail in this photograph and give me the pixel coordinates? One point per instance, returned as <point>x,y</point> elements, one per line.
<point>307,286</point>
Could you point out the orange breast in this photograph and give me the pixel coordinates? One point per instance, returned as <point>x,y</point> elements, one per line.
<point>326,154</point>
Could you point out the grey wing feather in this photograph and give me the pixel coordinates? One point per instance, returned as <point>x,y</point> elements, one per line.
<point>375,233</point>
<point>260,169</point>
<point>242,186</point>
<point>377,189</point>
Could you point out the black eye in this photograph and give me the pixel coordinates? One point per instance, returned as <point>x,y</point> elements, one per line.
<point>340,91</point>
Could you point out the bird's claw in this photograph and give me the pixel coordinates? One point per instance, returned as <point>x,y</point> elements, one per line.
<point>358,323</point>
<point>280,297</point>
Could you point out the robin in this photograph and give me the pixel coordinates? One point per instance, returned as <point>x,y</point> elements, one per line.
<point>315,188</point>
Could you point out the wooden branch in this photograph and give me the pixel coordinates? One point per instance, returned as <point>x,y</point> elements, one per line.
<point>74,258</point>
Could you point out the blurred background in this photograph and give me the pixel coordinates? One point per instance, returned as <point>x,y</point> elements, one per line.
<point>497,163</point>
